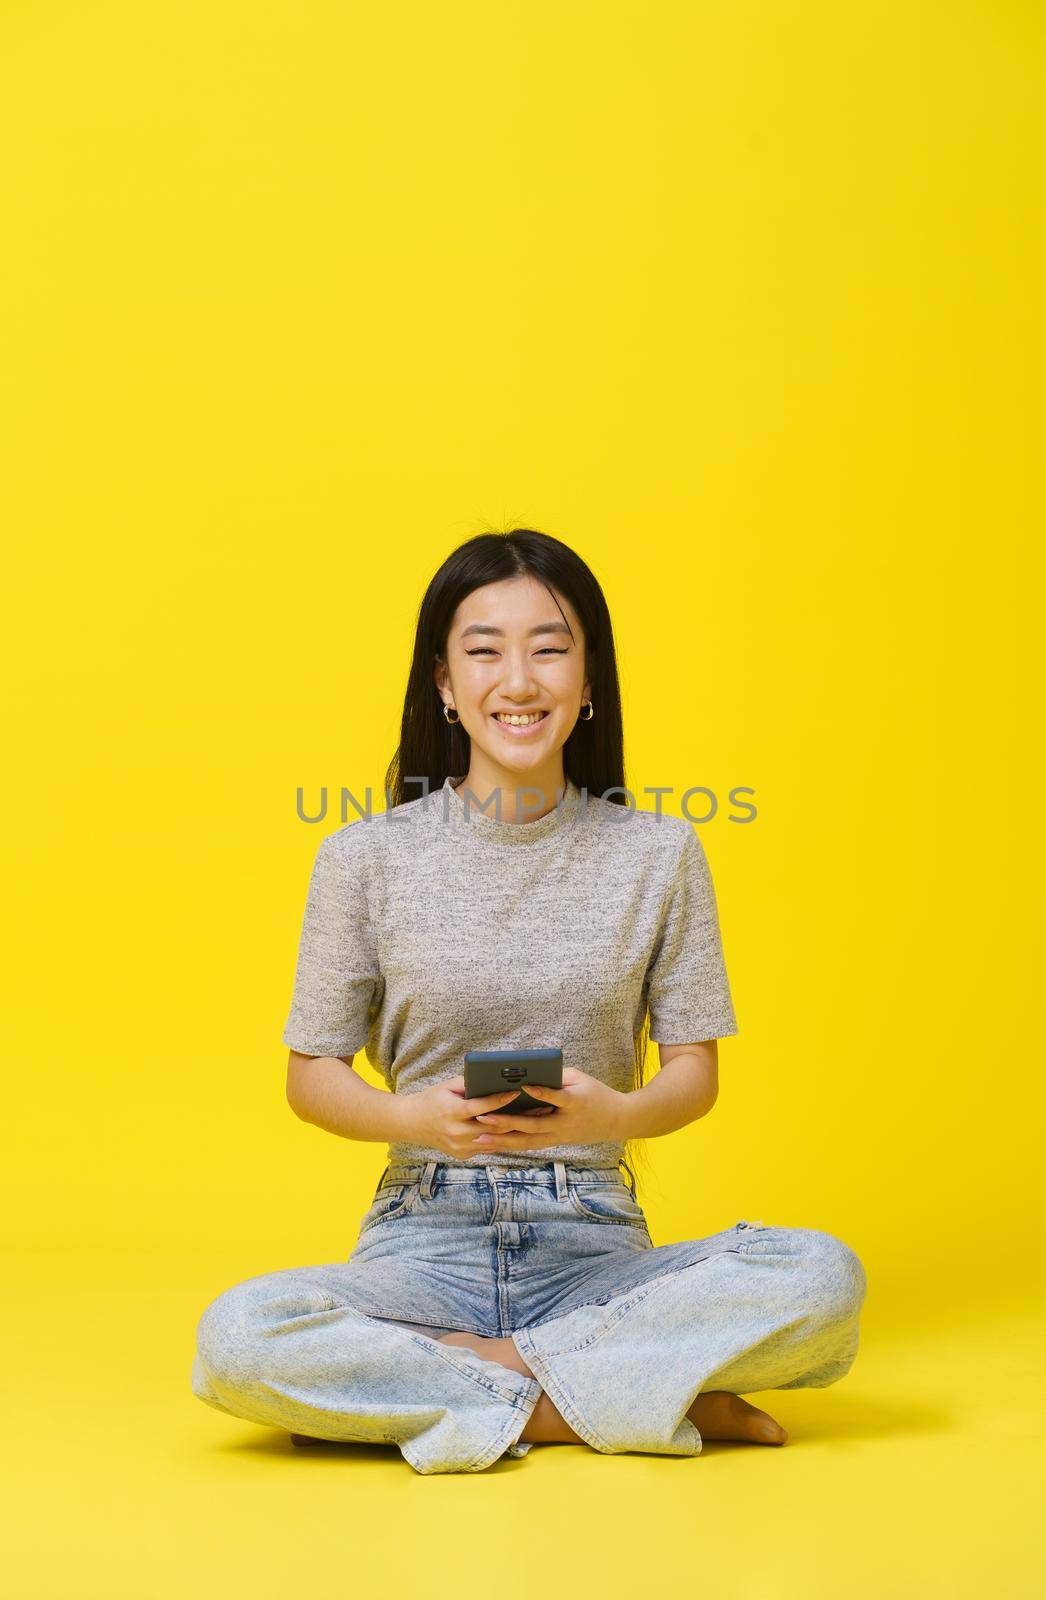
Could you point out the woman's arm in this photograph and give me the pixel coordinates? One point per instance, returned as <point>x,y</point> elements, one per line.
<point>329,1092</point>
<point>686,1087</point>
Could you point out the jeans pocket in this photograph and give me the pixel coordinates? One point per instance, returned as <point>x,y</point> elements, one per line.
<point>392,1200</point>
<point>606,1202</point>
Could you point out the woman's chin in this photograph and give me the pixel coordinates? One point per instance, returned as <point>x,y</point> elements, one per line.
<point>519,761</point>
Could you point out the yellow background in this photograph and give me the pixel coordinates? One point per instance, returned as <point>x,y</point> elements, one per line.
<point>744,301</point>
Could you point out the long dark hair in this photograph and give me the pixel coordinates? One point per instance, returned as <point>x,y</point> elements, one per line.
<point>432,749</point>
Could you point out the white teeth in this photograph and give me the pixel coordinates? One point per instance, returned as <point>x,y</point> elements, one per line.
<point>520,722</point>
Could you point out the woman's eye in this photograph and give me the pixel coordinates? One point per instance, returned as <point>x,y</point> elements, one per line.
<point>487,649</point>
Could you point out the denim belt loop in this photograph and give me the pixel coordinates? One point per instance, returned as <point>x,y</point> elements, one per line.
<point>631,1177</point>
<point>428,1178</point>
<point>381,1180</point>
<point>562,1193</point>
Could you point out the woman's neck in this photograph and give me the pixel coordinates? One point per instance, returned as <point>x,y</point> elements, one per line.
<point>514,796</point>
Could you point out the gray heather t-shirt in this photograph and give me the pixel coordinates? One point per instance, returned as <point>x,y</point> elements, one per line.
<point>433,928</point>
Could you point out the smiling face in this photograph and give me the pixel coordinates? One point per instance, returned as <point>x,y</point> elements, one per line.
<point>509,649</point>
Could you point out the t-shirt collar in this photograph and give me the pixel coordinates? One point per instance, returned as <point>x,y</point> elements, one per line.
<point>464,812</point>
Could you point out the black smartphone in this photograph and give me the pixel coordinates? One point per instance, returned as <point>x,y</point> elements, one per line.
<point>493,1071</point>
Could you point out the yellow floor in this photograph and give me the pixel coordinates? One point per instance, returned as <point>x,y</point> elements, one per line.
<point>918,1475</point>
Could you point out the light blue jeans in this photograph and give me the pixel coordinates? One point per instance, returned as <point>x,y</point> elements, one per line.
<point>622,1334</point>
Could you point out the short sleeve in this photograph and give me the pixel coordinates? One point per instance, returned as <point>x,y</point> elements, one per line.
<point>338,985</point>
<point>688,989</point>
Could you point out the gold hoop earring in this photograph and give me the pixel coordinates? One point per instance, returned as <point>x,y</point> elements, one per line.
<point>591,711</point>
<point>451,719</point>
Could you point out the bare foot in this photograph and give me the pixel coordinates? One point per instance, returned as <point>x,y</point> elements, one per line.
<point>718,1414</point>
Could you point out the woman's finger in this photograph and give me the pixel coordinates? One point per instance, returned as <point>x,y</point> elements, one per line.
<point>501,1097</point>
<point>506,1140</point>
<point>521,1124</point>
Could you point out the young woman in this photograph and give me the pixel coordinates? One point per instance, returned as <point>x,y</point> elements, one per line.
<point>504,1288</point>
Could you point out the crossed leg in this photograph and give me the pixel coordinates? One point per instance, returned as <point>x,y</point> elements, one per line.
<point>715,1413</point>
<point>794,1328</point>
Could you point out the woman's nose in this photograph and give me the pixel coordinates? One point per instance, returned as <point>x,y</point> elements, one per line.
<point>517,681</point>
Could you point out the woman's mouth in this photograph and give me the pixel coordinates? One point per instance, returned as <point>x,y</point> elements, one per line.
<point>520,730</point>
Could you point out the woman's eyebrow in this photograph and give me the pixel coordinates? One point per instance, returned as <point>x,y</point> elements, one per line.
<point>542,627</point>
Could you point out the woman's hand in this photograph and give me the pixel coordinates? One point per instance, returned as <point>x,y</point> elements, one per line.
<point>441,1116</point>
<point>584,1111</point>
